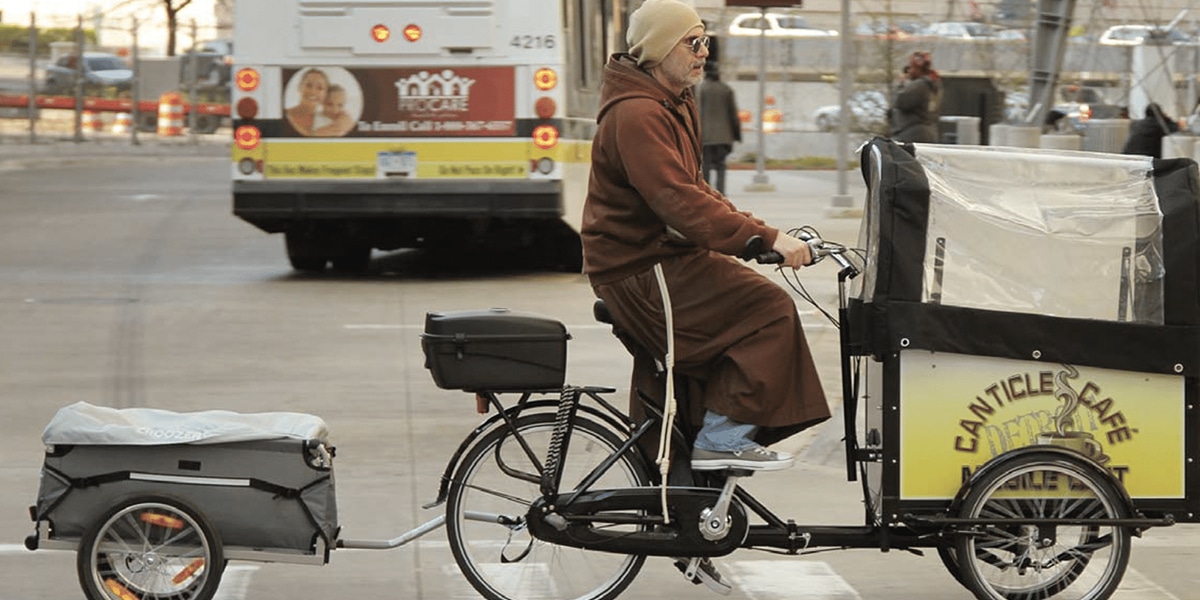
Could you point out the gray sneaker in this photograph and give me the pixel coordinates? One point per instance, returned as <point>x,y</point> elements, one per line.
<point>755,458</point>
<point>706,573</point>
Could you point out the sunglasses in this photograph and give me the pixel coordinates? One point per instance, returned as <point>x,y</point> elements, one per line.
<point>696,44</point>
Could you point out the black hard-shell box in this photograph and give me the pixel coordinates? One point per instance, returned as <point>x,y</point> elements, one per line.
<point>262,494</point>
<point>494,350</point>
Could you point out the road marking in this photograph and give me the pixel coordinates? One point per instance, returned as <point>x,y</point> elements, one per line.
<point>235,582</point>
<point>6,549</point>
<point>800,580</point>
<point>1135,586</point>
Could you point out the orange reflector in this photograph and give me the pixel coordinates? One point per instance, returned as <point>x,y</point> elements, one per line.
<point>247,137</point>
<point>247,108</point>
<point>247,80</point>
<point>380,33</point>
<point>545,136</point>
<point>188,571</point>
<point>545,79</point>
<point>412,32</point>
<point>119,590</point>
<point>161,520</point>
<point>545,107</point>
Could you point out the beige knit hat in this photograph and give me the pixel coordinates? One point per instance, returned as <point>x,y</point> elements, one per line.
<point>656,26</point>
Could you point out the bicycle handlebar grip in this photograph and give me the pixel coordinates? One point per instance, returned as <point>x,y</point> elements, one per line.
<point>756,250</point>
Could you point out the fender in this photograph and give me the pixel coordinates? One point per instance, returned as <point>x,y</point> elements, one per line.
<point>512,412</point>
<point>1073,456</point>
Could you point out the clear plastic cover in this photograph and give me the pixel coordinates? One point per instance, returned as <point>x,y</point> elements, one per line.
<point>1058,233</point>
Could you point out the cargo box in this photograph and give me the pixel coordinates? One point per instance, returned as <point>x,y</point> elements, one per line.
<point>494,350</point>
<point>269,488</point>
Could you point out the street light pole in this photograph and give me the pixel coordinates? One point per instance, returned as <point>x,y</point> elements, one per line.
<point>842,202</point>
<point>760,182</point>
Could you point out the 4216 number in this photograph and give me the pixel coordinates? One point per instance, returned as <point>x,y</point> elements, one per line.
<point>532,42</point>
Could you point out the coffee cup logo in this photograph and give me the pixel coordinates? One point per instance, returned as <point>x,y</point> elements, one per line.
<point>1064,434</point>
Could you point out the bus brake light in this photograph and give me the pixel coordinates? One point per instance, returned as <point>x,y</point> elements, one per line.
<point>412,32</point>
<point>545,136</point>
<point>247,80</point>
<point>545,79</point>
<point>380,33</point>
<point>545,107</point>
<point>247,137</point>
<point>247,108</point>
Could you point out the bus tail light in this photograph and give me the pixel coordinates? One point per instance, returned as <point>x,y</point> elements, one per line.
<point>545,136</point>
<point>545,79</point>
<point>545,107</point>
<point>247,108</point>
<point>247,79</point>
<point>247,137</point>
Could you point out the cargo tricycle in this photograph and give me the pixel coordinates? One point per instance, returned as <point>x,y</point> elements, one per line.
<point>1020,365</point>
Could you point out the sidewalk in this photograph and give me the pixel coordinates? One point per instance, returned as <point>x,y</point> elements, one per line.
<point>59,147</point>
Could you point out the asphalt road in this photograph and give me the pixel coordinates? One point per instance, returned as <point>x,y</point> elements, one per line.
<point>125,281</point>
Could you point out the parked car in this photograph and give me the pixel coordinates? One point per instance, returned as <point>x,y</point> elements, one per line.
<point>777,25</point>
<point>101,72</point>
<point>868,112</point>
<point>894,30</point>
<point>960,30</point>
<point>1132,35</point>
<point>214,63</point>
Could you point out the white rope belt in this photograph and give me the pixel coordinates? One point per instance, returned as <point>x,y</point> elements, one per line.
<point>664,442</point>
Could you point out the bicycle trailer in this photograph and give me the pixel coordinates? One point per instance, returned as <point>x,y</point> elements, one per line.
<point>263,482</point>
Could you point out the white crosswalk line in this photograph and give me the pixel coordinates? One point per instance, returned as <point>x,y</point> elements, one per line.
<point>1135,586</point>
<point>235,582</point>
<point>792,579</point>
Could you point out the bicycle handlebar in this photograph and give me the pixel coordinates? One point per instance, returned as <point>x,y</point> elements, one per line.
<point>755,250</point>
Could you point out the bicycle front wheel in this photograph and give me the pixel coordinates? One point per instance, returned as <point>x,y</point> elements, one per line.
<point>491,492</point>
<point>1028,557</point>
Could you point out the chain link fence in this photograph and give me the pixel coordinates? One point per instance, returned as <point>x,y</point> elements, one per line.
<point>85,78</point>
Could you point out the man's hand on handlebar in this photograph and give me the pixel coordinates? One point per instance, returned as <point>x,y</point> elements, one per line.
<point>796,253</point>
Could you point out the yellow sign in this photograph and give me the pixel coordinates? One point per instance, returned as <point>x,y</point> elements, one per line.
<point>957,412</point>
<point>423,159</point>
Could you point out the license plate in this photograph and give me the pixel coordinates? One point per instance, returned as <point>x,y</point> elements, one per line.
<point>396,164</point>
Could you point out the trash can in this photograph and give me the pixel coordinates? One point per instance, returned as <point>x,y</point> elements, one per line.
<point>961,130</point>
<point>1062,141</point>
<point>1105,135</point>
<point>1024,136</point>
<point>998,134</point>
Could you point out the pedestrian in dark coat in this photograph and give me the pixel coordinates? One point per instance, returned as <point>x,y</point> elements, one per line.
<point>648,204</point>
<point>1146,134</point>
<point>719,125</point>
<point>917,105</point>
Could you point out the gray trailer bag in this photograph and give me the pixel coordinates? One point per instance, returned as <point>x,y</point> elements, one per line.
<point>264,481</point>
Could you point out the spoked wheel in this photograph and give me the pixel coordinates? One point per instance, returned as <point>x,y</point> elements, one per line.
<point>488,499</point>
<point>1024,560</point>
<point>150,547</point>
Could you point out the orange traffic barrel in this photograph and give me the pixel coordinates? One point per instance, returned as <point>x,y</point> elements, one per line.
<point>90,121</point>
<point>772,120</point>
<point>170,114</point>
<point>122,123</point>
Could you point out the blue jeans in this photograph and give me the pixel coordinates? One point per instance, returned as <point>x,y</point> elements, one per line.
<point>722,434</point>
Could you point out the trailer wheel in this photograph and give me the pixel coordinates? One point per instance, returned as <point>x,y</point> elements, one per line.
<point>150,547</point>
<point>1023,554</point>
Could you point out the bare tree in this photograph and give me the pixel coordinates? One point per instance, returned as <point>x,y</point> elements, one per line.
<point>173,7</point>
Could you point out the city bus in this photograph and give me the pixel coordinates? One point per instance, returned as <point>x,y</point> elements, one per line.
<point>364,125</point>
